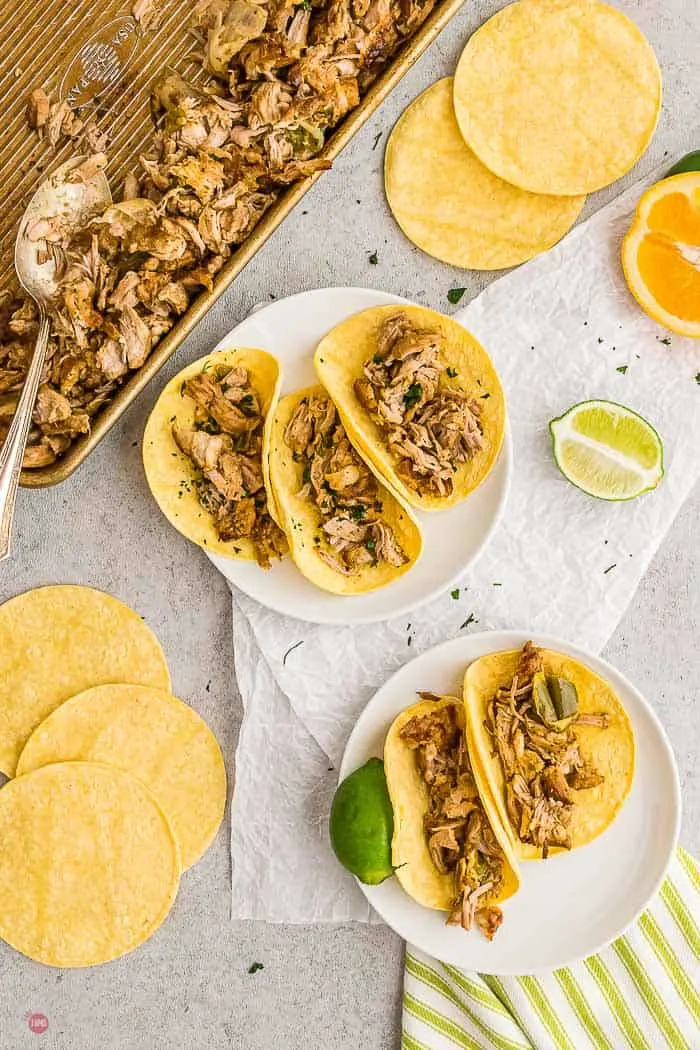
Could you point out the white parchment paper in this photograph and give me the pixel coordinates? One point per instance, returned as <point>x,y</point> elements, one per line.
<point>559,330</point>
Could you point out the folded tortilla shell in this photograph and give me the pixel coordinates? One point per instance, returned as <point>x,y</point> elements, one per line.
<point>611,751</point>
<point>339,359</point>
<point>301,518</point>
<point>409,799</point>
<point>171,475</point>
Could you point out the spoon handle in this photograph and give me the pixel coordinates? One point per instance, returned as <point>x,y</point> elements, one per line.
<point>12,451</point>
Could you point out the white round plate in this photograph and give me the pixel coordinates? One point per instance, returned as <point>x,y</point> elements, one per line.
<point>291,329</point>
<point>572,904</point>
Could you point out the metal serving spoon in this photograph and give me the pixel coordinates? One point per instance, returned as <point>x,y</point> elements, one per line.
<point>72,204</point>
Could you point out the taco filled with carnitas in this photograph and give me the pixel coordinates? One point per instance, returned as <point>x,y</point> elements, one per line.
<point>205,454</point>
<point>448,850</point>
<point>552,745</point>
<point>420,399</point>
<point>347,533</point>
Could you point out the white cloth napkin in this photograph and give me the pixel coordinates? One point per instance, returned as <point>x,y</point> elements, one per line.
<point>561,329</point>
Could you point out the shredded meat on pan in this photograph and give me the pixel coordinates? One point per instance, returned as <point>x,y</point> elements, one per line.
<point>543,765</point>
<point>352,535</point>
<point>460,838</point>
<point>281,77</point>
<point>430,426</point>
<point>225,446</point>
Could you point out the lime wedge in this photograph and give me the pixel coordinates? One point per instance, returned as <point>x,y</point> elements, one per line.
<point>607,450</point>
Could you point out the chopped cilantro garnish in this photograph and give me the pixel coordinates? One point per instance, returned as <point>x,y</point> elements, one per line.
<point>206,366</point>
<point>374,259</point>
<point>254,967</point>
<point>452,372</point>
<point>622,369</point>
<point>455,593</point>
<point>413,395</point>
<point>306,476</point>
<point>246,405</point>
<point>357,511</point>
<point>377,359</point>
<point>371,546</point>
<point>455,294</point>
<point>697,378</point>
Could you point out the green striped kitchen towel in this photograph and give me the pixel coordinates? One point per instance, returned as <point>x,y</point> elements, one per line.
<point>640,993</point>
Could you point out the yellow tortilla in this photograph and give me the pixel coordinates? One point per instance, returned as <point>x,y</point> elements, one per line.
<point>611,751</point>
<point>450,205</point>
<point>171,474</point>
<point>409,799</point>
<point>155,737</point>
<point>56,642</point>
<point>339,359</point>
<point>558,96</point>
<point>89,867</point>
<point>301,519</point>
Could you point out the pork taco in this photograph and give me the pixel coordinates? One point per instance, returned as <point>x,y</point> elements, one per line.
<point>448,850</point>
<point>347,533</point>
<point>419,398</point>
<point>204,453</point>
<point>553,746</point>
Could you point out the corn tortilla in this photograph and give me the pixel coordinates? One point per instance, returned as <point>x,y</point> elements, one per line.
<point>89,867</point>
<point>611,751</point>
<point>57,641</point>
<point>301,518</point>
<point>153,736</point>
<point>408,791</point>
<point>558,96</point>
<point>339,359</point>
<point>171,475</point>
<point>451,206</point>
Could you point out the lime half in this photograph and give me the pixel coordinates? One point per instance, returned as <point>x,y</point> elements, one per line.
<point>607,450</point>
<point>362,823</point>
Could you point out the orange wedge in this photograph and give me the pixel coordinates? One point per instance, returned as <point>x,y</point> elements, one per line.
<point>661,253</point>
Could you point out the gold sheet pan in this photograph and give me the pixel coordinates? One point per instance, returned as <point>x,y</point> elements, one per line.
<point>98,58</point>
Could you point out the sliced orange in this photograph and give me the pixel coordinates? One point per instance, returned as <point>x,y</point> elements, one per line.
<point>661,253</point>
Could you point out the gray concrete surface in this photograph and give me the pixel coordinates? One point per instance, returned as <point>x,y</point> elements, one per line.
<point>336,988</point>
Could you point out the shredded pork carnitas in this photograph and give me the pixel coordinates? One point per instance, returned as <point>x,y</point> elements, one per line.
<point>460,838</point>
<point>225,446</point>
<point>430,426</point>
<point>542,765</point>
<point>281,77</point>
<point>352,536</point>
